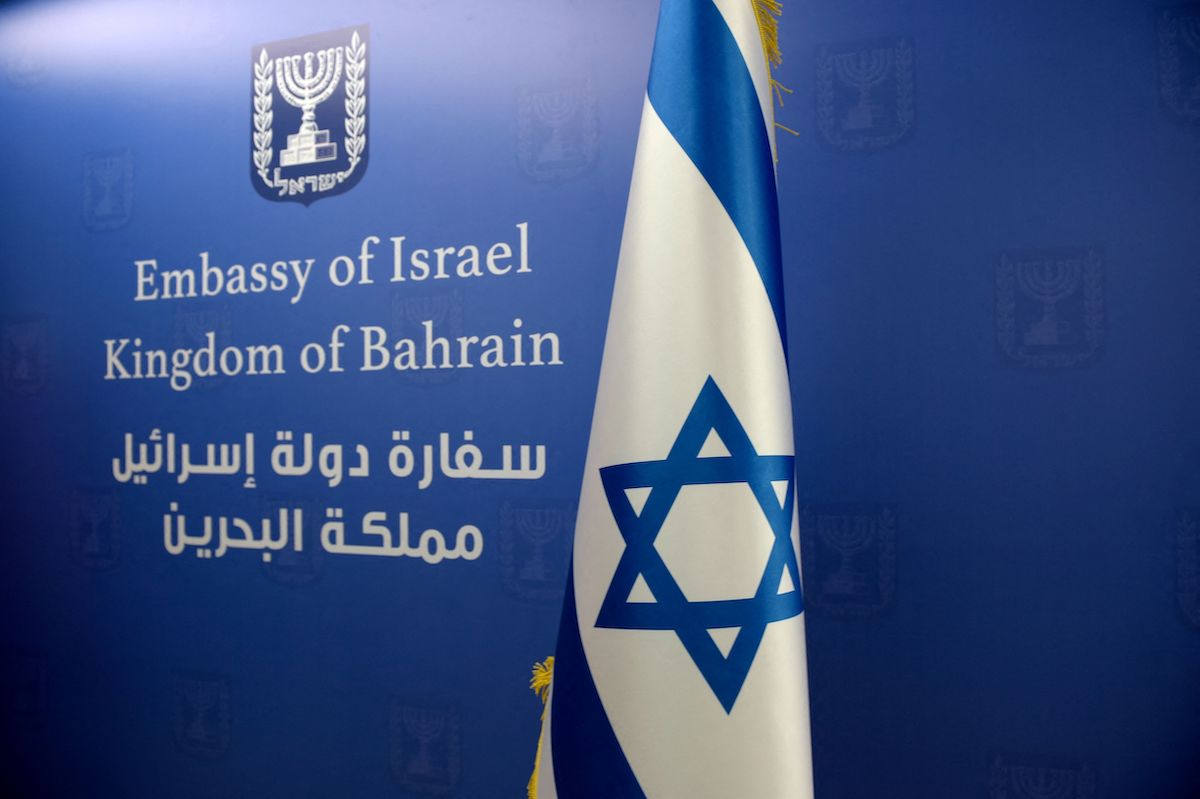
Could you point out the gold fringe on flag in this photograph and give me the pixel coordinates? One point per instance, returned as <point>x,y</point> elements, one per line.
<point>767,13</point>
<point>543,675</point>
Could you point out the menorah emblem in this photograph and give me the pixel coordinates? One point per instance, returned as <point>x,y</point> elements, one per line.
<point>106,171</point>
<point>534,547</point>
<point>306,90</point>
<point>432,308</point>
<point>444,310</point>
<point>1189,32</point>
<point>95,527</point>
<point>1048,280</point>
<point>866,98</point>
<point>108,178</point>
<point>201,698</point>
<point>1050,306</point>
<point>863,70</point>
<point>555,108</point>
<point>538,526</point>
<point>849,556</point>
<point>202,714</point>
<point>23,349</point>
<point>424,747</point>
<point>1179,67</point>
<point>287,566</point>
<point>311,74</point>
<point>424,725</point>
<point>848,535</point>
<point>557,131</point>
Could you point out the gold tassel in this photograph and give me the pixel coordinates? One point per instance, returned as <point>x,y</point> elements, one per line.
<point>543,675</point>
<point>767,13</point>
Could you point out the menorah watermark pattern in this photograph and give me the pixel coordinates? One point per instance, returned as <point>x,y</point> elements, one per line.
<point>535,545</point>
<point>287,566</point>
<point>426,756</point>
<point>1179,63</point>
<point>443,308</point>
<point>1187,563</point>
<point>107,189</point>
<point>24,354</point>
<point>203,720</point>
<point>849,558</point>
<point>1050,307</point>
<point>866,95</point>
<point>1032,777</point>
<point>320,83</point>
<point>191,325</point>
<point>95,527</point>
<point>558,129</point>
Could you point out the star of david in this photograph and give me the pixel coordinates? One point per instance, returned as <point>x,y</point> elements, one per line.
<point>670,609</point>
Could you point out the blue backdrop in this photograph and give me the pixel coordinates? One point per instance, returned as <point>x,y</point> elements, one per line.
<point>991,247</point>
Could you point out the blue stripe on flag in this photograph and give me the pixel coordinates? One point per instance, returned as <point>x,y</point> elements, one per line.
<point>701,88</point>
<point>588,761</point>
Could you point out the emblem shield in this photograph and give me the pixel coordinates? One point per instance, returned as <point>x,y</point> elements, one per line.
<point>557,130</point>
<point>425,748</point>
<point>24,348</point>
<point>107,189</point>
<point>849,558</point>
<point>202,714</point>
<point>1050,307</point>
<point>95,530</point>
<point>535,547</point>
<point>308,112</point>
<point>1179,63</point>
<point>865,94</point>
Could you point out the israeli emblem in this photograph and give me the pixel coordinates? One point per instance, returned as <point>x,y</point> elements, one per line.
<point>24,352</point>
<point>287,566</point>
<point>1179,62</point>
<point>1050,307</point>
<point>1029,777</point>
<point>107,189</point>
<point>193,322</point>
<point>202,714</point>
<point>425,748</point>
<point>557,130</point>
<point>95,528</point>
<point>312,92</point>
<point>1187,563</point>
<point>442,309</point>
<point>535,548</point>
<point>849,557</point>
<point>865,94</point>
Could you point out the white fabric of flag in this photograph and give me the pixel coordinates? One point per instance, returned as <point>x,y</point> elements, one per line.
<point>680,668</point>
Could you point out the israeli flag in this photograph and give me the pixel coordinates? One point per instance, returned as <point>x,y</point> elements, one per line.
<point>680,669</point>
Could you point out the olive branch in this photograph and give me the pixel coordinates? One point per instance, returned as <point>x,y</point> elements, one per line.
<point>356,103</point>
<point>263,116</point>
